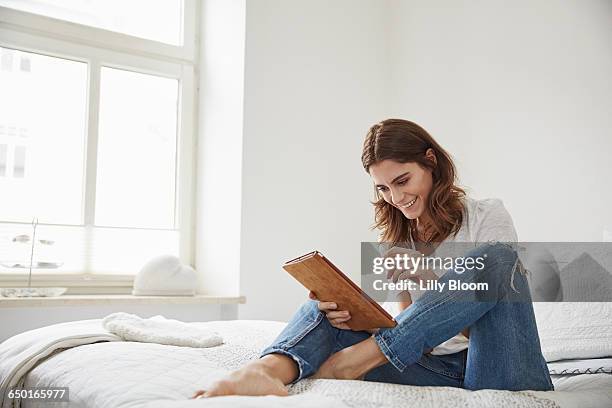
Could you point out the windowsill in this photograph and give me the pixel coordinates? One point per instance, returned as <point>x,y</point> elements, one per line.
<point>101,300</point>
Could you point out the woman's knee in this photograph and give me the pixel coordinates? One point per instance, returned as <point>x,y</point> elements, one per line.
<point>505,269</point>
<point>495,252</point>
<point>497,262</point>
<point>492,254</point>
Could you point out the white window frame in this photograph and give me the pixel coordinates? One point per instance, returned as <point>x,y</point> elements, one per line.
<point>98,47</point>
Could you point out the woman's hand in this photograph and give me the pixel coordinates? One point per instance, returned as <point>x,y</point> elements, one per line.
<point>404,299</point>
<point>406,269</point>
<point>337,318</point>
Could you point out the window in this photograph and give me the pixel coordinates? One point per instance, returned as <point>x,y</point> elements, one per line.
<point>138,115</point>
<point>42,117</point>
<point>96,138</point>
<point>158,20</point>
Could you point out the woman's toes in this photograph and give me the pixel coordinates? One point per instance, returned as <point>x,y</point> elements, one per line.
<point>198,394</point>
<point>221,387</point>
<point>245,382</point>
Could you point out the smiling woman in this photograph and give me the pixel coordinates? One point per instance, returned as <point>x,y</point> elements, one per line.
<point>415,182</point>
<point>419,204</point>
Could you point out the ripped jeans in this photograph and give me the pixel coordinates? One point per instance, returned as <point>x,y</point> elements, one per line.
<point>504,347</point>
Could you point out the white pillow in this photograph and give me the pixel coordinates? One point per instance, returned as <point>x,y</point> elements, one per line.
<point>574,330</point>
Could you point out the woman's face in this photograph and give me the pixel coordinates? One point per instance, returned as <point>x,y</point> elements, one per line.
<point>403,185</point>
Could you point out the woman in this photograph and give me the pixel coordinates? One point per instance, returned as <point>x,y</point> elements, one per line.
<point>418,203</point>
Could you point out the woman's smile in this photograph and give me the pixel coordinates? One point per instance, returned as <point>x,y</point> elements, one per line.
<point>408,205</point>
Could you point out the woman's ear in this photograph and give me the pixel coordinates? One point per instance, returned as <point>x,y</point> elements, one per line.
<point>431,156</point>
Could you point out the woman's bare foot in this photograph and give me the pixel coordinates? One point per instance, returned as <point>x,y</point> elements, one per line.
<point>266,376</point>
<point>246,381</point>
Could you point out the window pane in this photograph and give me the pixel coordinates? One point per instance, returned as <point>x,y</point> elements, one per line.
<point>158,20</point>
<point>77,249</point>
<point>43,103</point>
<point>136,150</point>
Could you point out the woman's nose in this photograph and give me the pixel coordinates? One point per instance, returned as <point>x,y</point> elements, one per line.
<point>396,197</point>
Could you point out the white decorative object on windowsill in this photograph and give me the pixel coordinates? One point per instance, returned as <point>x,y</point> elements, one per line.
<point>165,276</point>
<point>30,291</point>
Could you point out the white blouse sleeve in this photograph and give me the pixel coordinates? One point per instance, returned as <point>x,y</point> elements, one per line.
<point>495,222</point>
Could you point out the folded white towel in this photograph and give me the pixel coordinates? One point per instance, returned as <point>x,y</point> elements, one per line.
<point>158,329</point>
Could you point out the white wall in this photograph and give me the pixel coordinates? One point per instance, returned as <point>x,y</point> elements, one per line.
<point>220,133</point>
<point>521,93</point>
<point>313,79</point>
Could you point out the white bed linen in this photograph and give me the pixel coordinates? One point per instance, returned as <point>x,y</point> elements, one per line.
<point>574,330</point>
<point>581,390</point>
<point>21,352</point>
<point>131,375</point>
<point>158,329</point>
<point>581,366</point>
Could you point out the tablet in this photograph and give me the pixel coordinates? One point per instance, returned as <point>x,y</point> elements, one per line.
<point>328,283</point>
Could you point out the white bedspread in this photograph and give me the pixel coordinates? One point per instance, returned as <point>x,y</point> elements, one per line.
<point>135,375</point>
<point>20,353</point>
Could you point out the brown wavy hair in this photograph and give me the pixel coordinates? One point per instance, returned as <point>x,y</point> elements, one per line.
<point>404,141</point>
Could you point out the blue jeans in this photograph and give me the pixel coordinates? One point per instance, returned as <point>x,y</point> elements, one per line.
<point>504,347</point>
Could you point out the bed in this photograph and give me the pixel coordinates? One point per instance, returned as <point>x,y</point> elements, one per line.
<point>103,370</point>
<point>112,374</point>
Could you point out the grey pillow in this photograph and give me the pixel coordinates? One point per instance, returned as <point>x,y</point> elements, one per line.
<point>584,279</point>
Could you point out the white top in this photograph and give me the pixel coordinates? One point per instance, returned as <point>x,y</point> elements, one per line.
<point>484,220</point>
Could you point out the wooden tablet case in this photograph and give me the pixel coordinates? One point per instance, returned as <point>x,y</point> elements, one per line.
<point>328,283</point>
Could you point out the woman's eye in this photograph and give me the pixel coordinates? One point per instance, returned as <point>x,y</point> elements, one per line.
<point>401,183</point>
<point>382,189</point>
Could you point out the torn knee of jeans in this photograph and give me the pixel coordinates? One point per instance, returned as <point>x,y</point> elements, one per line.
<point>518,265</point>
